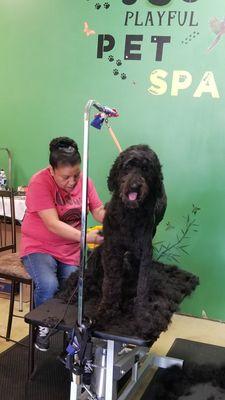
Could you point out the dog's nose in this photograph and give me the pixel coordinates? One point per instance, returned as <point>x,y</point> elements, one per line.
<point>134,186</point>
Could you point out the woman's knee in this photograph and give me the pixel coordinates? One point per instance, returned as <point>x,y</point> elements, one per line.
<point>49,286</point>
<point>42,268</point>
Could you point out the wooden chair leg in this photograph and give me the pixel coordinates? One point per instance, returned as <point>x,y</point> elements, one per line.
<point>11,308</point>
<point>21,297</point>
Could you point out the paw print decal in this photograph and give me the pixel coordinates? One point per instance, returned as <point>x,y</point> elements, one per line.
<point>111,58</point>
<point>106,5</point>
<point>115,72</point>
<point>97,6</point>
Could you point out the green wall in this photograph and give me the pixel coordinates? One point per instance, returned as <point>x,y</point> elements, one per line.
<point>49,69</point>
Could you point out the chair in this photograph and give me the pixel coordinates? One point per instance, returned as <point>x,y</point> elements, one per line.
<point>11,267</point>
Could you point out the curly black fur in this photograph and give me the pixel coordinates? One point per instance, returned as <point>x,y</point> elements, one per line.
<point>138,203</point>
<point>122,283</point>
<point>192,382</point>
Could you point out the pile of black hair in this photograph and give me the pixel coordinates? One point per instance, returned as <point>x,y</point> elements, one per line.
<point>191,382</point>
<point>169,285</point>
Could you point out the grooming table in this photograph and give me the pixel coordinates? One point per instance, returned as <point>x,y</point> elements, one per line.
<point>115,356</point>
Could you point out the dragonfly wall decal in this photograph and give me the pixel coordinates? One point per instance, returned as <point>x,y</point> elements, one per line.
<point>87,30</point>
<point>218,27</point>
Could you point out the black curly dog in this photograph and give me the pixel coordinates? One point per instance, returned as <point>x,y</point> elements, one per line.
<point>137,205</point>
<point>125,291</point>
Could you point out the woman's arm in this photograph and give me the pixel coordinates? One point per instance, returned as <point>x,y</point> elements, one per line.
<point>53,224</point>
<point>99,213</point>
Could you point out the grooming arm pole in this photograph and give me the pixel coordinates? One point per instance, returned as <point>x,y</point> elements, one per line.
<point>87,110</point>
<point>84,210</point>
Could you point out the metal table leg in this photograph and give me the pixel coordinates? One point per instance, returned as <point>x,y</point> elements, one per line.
<point>110,387</point>
<point>75,388</point>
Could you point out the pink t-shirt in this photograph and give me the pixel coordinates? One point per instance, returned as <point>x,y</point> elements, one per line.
<point>43,193</point>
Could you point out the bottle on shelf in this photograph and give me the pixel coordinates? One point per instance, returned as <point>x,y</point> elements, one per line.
<point>3,180</point>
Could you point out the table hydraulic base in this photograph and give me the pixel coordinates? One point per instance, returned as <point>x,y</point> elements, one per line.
<point>117,371</point>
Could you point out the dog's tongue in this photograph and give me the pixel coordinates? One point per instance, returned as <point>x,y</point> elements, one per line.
<point>132,196</point>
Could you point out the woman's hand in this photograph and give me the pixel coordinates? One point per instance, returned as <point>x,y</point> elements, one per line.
<point>99,213</point>
<point>94,237</point>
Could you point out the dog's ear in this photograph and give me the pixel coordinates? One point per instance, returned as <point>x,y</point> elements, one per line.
<point>158,178</point>
<point>113,174</point>
<point>159,183</point>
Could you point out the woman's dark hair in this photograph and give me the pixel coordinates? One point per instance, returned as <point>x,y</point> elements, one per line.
<point>63,151</point>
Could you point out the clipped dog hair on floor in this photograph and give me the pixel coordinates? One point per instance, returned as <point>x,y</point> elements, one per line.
<point>191,382</point>
<point>125,291</point>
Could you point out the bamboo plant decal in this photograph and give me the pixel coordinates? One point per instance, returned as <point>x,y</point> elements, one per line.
<point>173,251</point>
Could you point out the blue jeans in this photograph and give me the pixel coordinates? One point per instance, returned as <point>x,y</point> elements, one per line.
<point>48,275</point>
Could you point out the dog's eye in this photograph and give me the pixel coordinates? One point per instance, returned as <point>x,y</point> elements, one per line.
<point>126,168</point>
<point>144,168</point>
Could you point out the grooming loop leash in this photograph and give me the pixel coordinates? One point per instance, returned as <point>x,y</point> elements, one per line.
<point>114,138</point>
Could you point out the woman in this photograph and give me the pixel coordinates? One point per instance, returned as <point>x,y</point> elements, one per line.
<point>50,243</point>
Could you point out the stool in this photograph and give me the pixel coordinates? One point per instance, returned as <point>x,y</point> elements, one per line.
<point>12,269</point>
